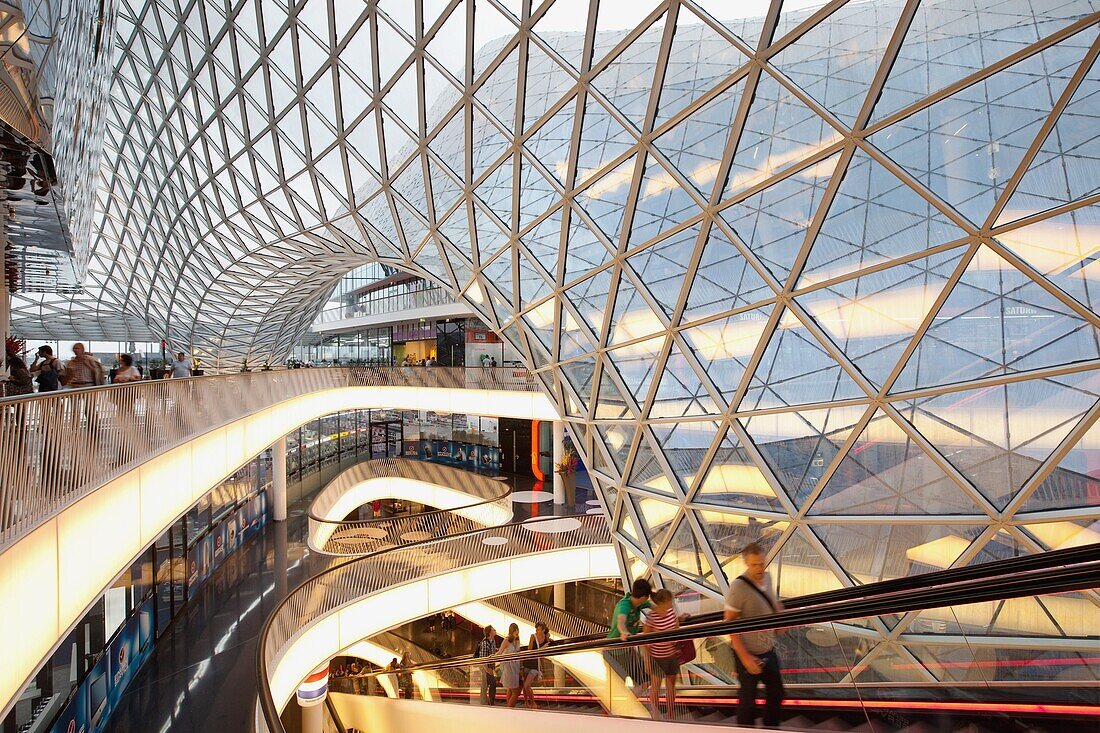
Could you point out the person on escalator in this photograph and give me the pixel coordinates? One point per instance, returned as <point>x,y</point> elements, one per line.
<point>751,595</point>
<point>487,647</point>
<point>510,670</point>
<point>626,621</point>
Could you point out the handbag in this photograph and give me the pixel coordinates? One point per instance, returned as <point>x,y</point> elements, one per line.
<point>685,651</point>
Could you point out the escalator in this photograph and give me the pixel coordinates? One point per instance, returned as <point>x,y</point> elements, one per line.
<point>833,682</point>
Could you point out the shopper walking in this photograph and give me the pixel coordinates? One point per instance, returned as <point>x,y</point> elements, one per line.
<point>751,595</point>
<point>83,370</point>
<point>487,647</point>
<point>127,372</point>
<point>19,377</point>
<point>664,656</point>
<point>509,670</point>
<point>46,369</point>
<point>180,367</point>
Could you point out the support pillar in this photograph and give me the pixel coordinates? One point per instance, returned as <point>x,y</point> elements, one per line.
<point>278,480</point>
<point>559,602</point>
<point>558,440</point>
<point>313,719</point>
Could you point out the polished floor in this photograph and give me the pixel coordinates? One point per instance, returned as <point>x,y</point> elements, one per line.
<point>201,676</point>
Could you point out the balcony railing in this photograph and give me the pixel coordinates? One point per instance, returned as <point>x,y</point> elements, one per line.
<point>59,446</point>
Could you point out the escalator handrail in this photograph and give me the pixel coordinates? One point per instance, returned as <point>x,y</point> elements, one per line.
<point>1055,578</point>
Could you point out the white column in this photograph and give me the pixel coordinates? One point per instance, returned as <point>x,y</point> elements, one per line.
<point>313,719</point>
<point>559,451</point>
<point>278,480</point>
<point>559,602</point>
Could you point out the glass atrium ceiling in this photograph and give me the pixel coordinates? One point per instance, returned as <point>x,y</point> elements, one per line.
<point>822,277</point>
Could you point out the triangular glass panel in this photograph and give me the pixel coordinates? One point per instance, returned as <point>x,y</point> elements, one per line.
<point>575,340</point>
<point>872,318</point>
<point>680,393</point>
<point>734,481</point>
<point>996,321</point>
<point>684,445</point>
<point>647,472</point>
<point>540,322</point>
<point>1075,483</point>
<point>662,204</point>
<point>496,192</point>
<point>605,200</point>
<point>1066,249</point>
<point>836,60</point>
<point>558,29</point>
<point>629,529</point>
<point>532,282</point>
<point>699,59</point>
<point>796,370</point>
<point>684,554</point>
<point>966,147</point>
<point>888,664</point>
<point>456,229</point>
<point>873,218</point>
<point>550,143</point>
<point>659,517</point>
<point>448,43</point>
<point>662,266</point>
<point>799,446</point>
<point>499,273</point>
<point>488,143</point>
<point>544,241</point>
<point>611,404</point>
<point>946,42</point>
<point>724,347</point>
<point>800,570</point>
<point>602,140</point>
<point>773,223</point>
<point>589,297</point>
<point>729,532</point>
<point>498,93</point>
<point>745,28</point>
<point>886,473</point>
<point>1064,534</point>
<point>614,21</point>
<point>445,191</point>
<point>536,194</point>
<point>874,552</point>
<point>579,374</point>
<point>631,317</point>
<point>1003,545</point>
<point>980,431</point>
<point>546,82</point>
<point>696,145</point>
<point>723,281</point>
<point>779,133</point>
<point>490,238</point>
<point>492,30</point>
<point>1064,169</point>
<point>637,364</point>
<point>449,144</point>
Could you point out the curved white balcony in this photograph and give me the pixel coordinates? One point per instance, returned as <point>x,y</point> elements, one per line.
<point>89,478</point>
<point>464,501</point>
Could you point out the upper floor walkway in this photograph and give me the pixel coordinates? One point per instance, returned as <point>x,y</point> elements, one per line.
<point>90,477</point>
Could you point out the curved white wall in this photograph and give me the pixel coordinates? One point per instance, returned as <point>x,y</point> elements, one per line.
<point>334,504</point>
<point>49,578</point>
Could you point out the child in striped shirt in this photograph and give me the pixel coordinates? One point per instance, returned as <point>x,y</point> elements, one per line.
<point>664,656</point>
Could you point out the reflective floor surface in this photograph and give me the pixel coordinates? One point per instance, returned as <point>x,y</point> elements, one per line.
<point>201,676</point>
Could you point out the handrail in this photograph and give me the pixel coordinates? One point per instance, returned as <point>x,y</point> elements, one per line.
<point>489,505</point>
<point>1053,576</point>
<point>350,580</point>
<point>56,447</point>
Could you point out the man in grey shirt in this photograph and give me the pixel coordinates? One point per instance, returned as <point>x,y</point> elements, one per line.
<point>751,595</point>
<point>181,367</point>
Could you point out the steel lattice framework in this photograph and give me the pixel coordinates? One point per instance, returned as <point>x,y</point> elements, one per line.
<point>826,279</point>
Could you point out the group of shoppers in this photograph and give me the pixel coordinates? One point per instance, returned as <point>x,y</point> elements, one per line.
<point>516,676</point>
<point>49,373</point>
<point>749,595</point>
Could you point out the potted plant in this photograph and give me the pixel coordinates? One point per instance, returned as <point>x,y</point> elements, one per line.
<point>567,469</point>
